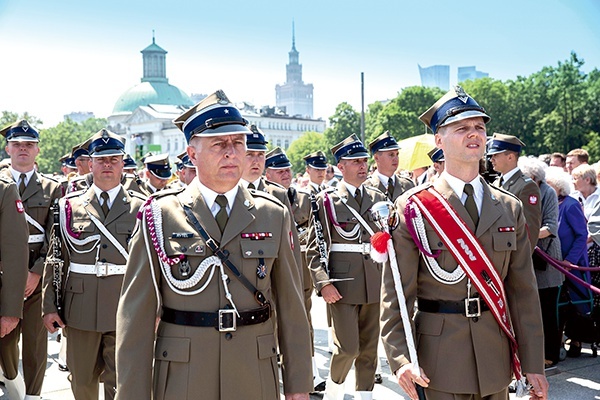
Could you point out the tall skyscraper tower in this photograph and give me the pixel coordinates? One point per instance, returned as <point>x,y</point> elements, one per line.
<point>294,95</point>
<point>435,76</point>
<point>470,73</point>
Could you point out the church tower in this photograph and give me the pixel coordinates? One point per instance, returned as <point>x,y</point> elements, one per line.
<point>295,96</point>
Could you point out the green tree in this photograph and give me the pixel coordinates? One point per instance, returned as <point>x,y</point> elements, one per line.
<point>306,144</point>
<point>344,122</point>
<point>59,140</point>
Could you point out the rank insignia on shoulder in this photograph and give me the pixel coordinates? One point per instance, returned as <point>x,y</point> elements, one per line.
<point>533,199</point>
<point>506,229</point>
<point>261,270</point>
<point>256,235</point>
<point>20,208</point>
<point>181,235</point>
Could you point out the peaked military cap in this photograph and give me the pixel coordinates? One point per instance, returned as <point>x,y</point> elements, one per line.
<point>185,160</point>
<point>383,142</point>
<point>455,105</point>
<point>20,131</point>
<point>255,140</point>
<point>148,154</point>
<point>213,116</point>
<point>277,159</point>
<point>349,148</point>
<point>67,161</point>
<point>129,162</point>
<point>159,165</point>
<point>317,160</point>
<point>436,155</point>
<point>81,150</point>
<point>501,143</point>
<point>106,143</point>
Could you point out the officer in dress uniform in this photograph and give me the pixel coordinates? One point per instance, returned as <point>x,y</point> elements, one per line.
<point>316,165</point>
<point>278,170</point>
<point>462,346</point>
<point>38,193</point>
<point>350,281</point>
<point>158,172</point>
<point>187,170</point>
<point>216,337</point>
<point>131,180</point>
<point>81,157</point>
<point>384,150</point>
<point>97,225</point>
<point>437,157</point>
<point>14,234</point>
<point>504,151</point>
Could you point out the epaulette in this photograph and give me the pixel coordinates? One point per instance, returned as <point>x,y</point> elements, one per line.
<point>264,195</point>
<point>139,195</point>
<point>167,192</point>
<point>527,179</point>
<point>50,177</point>
<point>503,191</point>
<point>373,188</point>
<point>74,194</point>
<point>303,191</point>
<point>412,191</point>
<point>6,180</point>
<point>271,183</point>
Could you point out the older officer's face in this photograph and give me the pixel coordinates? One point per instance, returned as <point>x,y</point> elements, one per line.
<point>462,141</point>
<point>219,160</point>
<point>387,161</point>
<point>354,170</point>
<point>282,176</point>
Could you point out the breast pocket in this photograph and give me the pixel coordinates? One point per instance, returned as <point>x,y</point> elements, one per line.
<point>83,225</point>
<point>258,259</point>
<point>504,244</point>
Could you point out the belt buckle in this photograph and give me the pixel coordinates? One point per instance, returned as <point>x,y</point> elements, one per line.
<point>472,307</point>
<point>227,320</point>
<point>366,248</point>
<point>101,270</point>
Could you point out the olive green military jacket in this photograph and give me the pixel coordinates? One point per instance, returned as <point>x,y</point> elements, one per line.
<point>182,361</point>
<point>14,233</point>
<point>401,185</point>
<point>460,354</point>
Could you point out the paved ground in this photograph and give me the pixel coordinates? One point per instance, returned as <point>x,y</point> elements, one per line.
<point>577,378</point>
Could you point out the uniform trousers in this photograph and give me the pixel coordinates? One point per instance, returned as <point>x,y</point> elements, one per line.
<point>355,335</point>
<point>34,346</point>
<point>435,395</point>
<point>91,355</point>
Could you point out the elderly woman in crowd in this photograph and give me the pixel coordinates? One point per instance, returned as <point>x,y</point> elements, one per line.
<point>585,182</point>
<point>573,234</point>
<point>548,278</point>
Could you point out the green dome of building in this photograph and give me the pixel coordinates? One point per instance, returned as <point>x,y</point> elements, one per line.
<point>155,87</point>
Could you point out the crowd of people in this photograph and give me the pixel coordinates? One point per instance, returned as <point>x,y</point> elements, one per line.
<point>168,286</point>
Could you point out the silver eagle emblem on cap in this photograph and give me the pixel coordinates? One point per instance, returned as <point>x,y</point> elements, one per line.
<point>461,94</point>
<point>222,97</point>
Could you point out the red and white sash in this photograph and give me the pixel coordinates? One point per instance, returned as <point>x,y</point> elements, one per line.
<point>470,255</point>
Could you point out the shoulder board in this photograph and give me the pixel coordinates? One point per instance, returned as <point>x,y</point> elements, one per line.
<point>6,180</point>
<point>167,192</point>
<point>271,183</point>
<point>264,195</point>
<point>527,179</point>
<point>74,194</point>
<point>49,177</point>
<point>77,178</point>
<point>412,191</point>
<point>138,195</point>
<point>372,188</point>
<point>303,191</point>
<point>503,191</point>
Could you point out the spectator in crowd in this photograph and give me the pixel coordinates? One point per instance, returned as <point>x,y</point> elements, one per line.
<point>545,158</point>
<point>548,279</point>
<point>575,158</point>
<point>558,160</point>
<point>572,232</point>
<point>585,183</point>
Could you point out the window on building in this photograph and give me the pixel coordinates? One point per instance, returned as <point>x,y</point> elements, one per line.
<point>286,144</point>
<point>168,145</point>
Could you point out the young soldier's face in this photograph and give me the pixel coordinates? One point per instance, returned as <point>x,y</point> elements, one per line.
<point>462,141</point>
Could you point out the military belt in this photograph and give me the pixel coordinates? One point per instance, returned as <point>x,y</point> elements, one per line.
<point>36,238</point>
<point>363,248</point>
<point>225,320</point>
<point>471,307</point>
<point>99,269</point>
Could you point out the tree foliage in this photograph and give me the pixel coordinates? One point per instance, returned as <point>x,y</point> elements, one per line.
<point>308,143</point>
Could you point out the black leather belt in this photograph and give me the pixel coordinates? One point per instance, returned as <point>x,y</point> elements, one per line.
<point>224,320</point>
<point>470,308</point>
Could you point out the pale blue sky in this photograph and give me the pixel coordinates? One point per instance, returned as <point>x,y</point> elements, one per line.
<point>72,55</point>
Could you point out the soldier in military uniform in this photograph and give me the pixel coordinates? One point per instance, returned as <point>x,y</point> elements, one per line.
<point>462,330</point>
<point>504,151</point>
<point>158,172</point>
<point>81,158</point>
<point>350,281</point>
<point>278,170</point>
<point>37,193</point>
<point>216,337</point>
<point>95,230</point>
<point>384,150</point>
<point>14,250</point>
<point>316,164</point>
<point>186,171</point>
<point>437,157</point>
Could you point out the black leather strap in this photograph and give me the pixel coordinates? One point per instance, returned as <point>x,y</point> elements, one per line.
<point>211,319</point>
<point>447,307</point>
<point>258,295</point>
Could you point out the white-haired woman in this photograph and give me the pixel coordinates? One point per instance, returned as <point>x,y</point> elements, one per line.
<point>573,234</point>
<point>548,278</point>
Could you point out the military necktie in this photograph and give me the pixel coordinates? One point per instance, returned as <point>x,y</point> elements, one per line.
<point>358,196</point>
<point>250,186</point>
<point>390,188</point>
<point>104,197</point>
<point>501,181</point>
<point>470,203</point>
<point>23,177</point>
<point>221,216</point>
